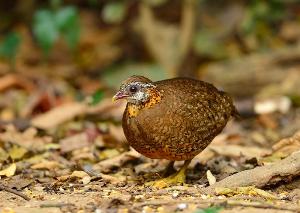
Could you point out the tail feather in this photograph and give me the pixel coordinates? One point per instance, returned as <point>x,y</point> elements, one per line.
<point>235,113</point>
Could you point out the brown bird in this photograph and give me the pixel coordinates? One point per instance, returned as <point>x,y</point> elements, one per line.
<point>173,119</point>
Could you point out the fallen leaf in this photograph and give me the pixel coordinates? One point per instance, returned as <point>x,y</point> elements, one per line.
<point>108,153</point>
<point>49,165</point>
<point>79,174</point>
<point>17,152</point>
<point>85,178</point>
<point>28,139</point>
<point>237,150</point>
<point>211,179</point>
<point>248,190</point>
<point>58,115</point>
<point>13,80</point>
<point>9,171</point>
<point>117,132</point>
<point>287,146</point>
<point>111,179</point>
<point>107,109</point>
<point>118,161</point>
<point>74,142</point>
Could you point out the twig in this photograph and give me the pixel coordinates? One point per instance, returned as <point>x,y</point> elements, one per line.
<point>218,202</point>
<point>7,189</point>
<point>187,27</point>
<point>264,205</point>
<point>57,205</point>
<point>259,177</point>
<point>168,44</point>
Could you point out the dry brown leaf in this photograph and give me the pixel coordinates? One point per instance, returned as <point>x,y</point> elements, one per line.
<point>111,179</point>
<point>283,148</point>
<point>237,150</point>
<point>58,115</point>
<point>79,174</point>
<point>83,176</point>
<point>74,142</point>
<point>27,139</point>
<point>117,133</point>
<point>107,109</point>
<point>66,112</point>
<point>287,146</point>
<point>49,165</point>
<point>9,171</point>
<point>13,80</point>
<point>85,153</point>
<point>118,161</point>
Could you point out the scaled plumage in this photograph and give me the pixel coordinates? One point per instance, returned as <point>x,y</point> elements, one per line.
<point>173,119</point>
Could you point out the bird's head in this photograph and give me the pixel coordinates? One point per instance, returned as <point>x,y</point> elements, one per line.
<point>136,90</point>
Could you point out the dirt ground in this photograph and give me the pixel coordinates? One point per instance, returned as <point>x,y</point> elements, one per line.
<point>92,198</point>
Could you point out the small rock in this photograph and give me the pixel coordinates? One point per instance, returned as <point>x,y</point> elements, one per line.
<point>182,206</point>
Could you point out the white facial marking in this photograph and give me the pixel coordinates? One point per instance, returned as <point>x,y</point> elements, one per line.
<point>141,95</point>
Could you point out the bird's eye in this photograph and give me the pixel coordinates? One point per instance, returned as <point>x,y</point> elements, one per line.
<point>133,88</point>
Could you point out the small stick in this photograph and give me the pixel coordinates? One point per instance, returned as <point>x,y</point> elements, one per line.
<point>57,205</point>
<point>7,189</point>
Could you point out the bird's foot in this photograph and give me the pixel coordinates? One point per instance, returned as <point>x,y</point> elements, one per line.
<point>175,179</point>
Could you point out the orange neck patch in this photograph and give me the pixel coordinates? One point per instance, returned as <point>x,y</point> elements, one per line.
<point>154,98</point>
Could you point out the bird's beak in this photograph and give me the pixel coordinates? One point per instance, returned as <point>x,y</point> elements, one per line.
<point>119,95</point>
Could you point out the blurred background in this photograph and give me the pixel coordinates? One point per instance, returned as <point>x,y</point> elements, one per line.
<point>77,52</point>
<point>230,43</point>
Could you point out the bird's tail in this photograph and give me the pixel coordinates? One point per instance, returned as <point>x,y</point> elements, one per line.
<point>235,113</point>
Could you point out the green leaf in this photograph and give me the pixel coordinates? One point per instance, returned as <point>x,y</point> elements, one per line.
<point>45,29</point>
<point>10,46</point>
<point>114,13</point>
<point>49,25</point>
<point>207,43</point>
<point>264,12</point>
<point>65,17</point>
<point>209,210</point>
<point>67,20</point>
<point>97,97</point>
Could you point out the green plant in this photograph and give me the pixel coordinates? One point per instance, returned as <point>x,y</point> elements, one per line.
<point>114,12</point>
<point>50,24</point>
<point>9,48</point>
<point>214,209</point>
<point>262,12</point>
<point>97,97</point>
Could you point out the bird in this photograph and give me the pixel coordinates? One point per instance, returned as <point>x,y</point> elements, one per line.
<point>173,119</point>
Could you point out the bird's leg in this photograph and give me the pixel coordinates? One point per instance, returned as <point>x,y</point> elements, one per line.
<point>177,178</point>
<point>169,169</point>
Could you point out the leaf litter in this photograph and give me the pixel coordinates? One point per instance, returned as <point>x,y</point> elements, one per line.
<point>62,145</point>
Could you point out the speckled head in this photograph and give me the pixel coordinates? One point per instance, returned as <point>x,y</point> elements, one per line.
<point>135,89</point>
